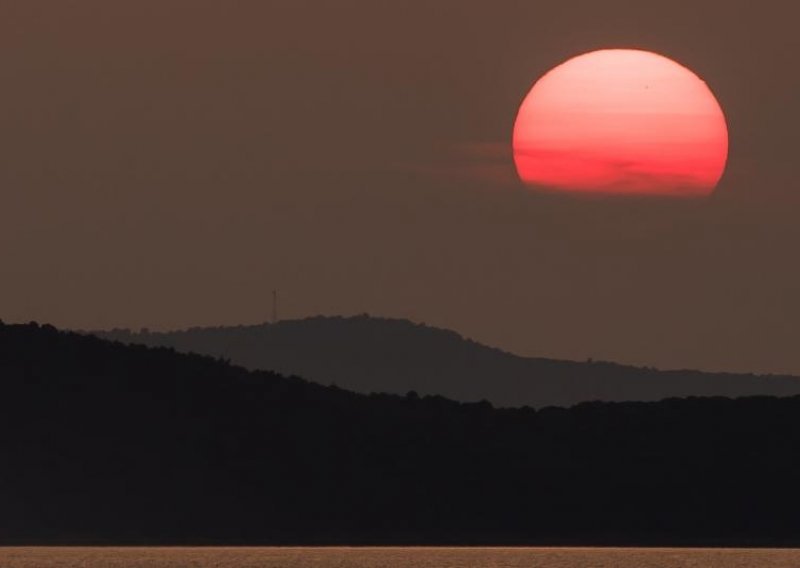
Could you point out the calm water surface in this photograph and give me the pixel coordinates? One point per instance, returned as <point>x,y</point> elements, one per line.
<point>393,557</point>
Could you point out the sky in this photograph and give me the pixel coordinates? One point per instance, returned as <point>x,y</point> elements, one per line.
<point>166,164</point>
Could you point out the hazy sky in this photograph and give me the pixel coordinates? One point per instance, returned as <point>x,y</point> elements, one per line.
<point>168,163</point>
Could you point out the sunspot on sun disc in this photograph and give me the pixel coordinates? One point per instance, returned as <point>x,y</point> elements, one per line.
<point>621,121</point>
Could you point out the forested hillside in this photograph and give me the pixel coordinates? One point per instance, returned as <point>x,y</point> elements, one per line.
<point>107,443</point>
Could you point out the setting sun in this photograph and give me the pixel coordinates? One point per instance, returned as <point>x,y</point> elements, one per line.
<point>621,122</point>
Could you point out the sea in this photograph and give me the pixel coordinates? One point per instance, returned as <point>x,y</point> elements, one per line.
<point>109,557</point>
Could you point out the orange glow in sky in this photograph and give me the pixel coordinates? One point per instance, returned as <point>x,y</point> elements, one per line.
<point>621,121</point>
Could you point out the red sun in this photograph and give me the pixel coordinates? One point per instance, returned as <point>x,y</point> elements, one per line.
<point>621,121</point>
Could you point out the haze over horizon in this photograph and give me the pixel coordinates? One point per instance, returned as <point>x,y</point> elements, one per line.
<point>167,165</point>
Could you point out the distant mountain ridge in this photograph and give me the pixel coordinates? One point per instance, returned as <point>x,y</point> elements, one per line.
<point>367,354</point>
<point>105,443</point>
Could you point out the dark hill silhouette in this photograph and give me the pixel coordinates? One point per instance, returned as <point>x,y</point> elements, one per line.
<point>396,356</point>
<point>107,443</point>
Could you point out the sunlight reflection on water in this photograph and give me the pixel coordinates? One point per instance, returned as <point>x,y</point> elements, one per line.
<point>394,557</point>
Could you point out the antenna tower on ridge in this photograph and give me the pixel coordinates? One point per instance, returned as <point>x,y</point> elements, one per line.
<point>274,306</point>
